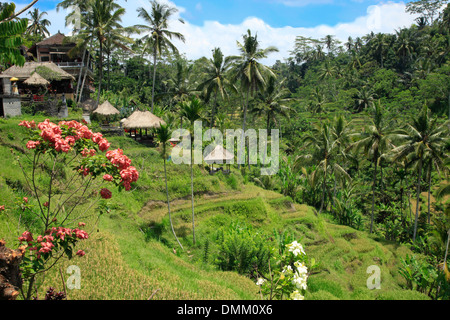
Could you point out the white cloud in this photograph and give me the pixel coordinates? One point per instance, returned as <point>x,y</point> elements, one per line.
<point>200,40</point>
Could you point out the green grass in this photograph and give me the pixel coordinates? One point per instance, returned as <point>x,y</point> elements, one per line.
<point>132,253</point>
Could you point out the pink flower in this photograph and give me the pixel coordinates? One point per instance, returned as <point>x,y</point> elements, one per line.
<point>46,247</point>
<point>105,193</point>
<point>80,253</point>
<point>25,199</point>
<point>104,145</point>
<point>80,234</point>
<point>97,137</point>
<point>2,208</point>
<point>81,224</point>
<point>32,144</point>
<point>26,236</point>
<point>107,177</point>
<point>46,204</point>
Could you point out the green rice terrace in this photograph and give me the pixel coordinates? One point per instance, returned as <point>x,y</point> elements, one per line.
<point>113,186</point>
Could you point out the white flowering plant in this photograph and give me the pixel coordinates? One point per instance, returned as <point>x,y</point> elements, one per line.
<point>289,268</point>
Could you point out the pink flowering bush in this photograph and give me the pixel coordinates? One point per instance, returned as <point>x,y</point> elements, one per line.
<point>54,148</point>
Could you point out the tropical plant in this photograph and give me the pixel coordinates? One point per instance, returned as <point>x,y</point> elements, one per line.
<point>375,142</point>
<point>38,25</point>
<point>159,37</point>
<point>11,36</point>
<point>423,139</point>
<point>191,111</point>
<point>217,82</point>
<point>163,135</point>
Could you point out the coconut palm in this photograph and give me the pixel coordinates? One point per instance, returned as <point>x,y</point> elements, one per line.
<point>273,101</point>
<point>38,25</point>
<point>159,37</point>
<point>324,152</point>
<point>249,71</point>
<point>102,21</point>
<point>216,81</point>
<point>163,135</point>
<point>423,139</point>
<point>375,141</point>
<point>379,44</point>
<point>191,111</point>
<point>364,98</point>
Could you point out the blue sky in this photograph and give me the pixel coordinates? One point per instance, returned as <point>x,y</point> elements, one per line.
<point>220,23</point>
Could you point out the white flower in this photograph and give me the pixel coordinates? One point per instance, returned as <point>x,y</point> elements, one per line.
<point>301,268</point>
<point>287,269</point>
<point>297,296</point>
<point>260,281</point>
<point>300,281</point>
<point>296,248</point>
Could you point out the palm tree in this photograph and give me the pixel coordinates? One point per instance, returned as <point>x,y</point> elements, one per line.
<point>324,147</point>
<point>163,135</point>
<point>249,71</point>
<point>273,101</point>
<point>38,25</point>
<point>375,141</point>
<point>423,139</point>
<point>379,43</point>
<point>159,36</point>
<point>191,111</point>
<point>216,81</point>
<point>182,85</point>
<point>102,21</point>
<point>364,99</point>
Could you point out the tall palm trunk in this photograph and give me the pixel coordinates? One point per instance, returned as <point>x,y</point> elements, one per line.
<point>154,77</point>
<point>100,78</point>
<point>85,75</point>
<point>419,176</point>
<point>80,74</point>
<point>374,182</point>
<point>168,202</point>
<point>324,185</point>
<point>192,194</point>
<point>429,193</point>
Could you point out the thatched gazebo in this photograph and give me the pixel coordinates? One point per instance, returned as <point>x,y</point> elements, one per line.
<point>106,110</point>
<point>36,80</point>
<point>219,155</point>
<point>140,120</point>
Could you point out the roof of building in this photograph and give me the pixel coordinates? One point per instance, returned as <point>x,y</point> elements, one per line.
<point>218,155</point>
<point>107,109</point>
<point>29,68</point>
<point>56,39</point>
<point>142,120</point>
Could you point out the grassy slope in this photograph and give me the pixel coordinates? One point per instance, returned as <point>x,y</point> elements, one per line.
<point>131,253</point>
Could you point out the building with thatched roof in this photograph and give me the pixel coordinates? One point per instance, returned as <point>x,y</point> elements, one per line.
<point>219,155</point>
<point>106,109</point>
<point>60,82</point>
<point>140,120</point>
<point>36,80</point>
<point>56,49</point>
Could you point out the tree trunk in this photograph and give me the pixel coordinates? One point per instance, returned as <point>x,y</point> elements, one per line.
<point>154,78</point>
<point>80,74</point>
<point>192,195</point>
<point>429,193</point>
<point>100,72</point>
<point>84,77</point>
<point>419,176</point>
<point>168,202</point>
<point>374,181</point>
<point>10,275</point>
<point>323,190</point>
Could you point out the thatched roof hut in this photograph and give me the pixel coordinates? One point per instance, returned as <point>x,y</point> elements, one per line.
<point>218,155</point>
<point>29,68</point>
<point>36,80</point>
<point>106,109</point>
<point>142,120</point>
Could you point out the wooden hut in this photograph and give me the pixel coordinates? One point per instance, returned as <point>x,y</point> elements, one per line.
<point>141,120</point>
<point>36,80</point>
<point>106,110</point>
<point>219,155</point>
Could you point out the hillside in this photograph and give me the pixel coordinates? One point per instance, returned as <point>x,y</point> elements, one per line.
<point>131,253</point>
